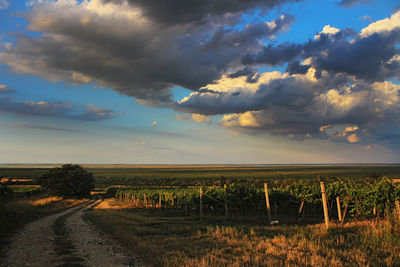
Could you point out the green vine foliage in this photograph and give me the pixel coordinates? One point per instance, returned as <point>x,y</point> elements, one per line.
<point>360,198</point>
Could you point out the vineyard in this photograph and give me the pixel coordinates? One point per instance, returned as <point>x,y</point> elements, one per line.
<point>359,199</point>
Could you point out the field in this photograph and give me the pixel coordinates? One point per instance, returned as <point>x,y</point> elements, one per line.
<point>154,211</point>
<point>106,175</point>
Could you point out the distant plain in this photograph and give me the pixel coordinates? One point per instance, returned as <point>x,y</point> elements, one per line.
<point>106,175</point>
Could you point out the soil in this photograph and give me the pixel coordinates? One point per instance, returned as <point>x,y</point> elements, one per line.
<point>66,239</point>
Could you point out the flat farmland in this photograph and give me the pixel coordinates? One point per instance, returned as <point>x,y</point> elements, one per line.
<point>106,175</point>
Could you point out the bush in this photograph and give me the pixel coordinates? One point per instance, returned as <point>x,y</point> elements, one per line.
<point>5,193</point>
<point>67,181</point>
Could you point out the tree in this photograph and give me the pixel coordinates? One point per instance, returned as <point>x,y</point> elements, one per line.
<point>67,181</point>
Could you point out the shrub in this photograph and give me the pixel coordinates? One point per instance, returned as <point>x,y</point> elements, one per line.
<point>5,193</point>
<point>67,181</point>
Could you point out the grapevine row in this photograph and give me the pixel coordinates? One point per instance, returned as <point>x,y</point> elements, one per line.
<point>360,199</point>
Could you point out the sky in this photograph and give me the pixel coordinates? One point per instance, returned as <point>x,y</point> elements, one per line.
<point>200,82</point>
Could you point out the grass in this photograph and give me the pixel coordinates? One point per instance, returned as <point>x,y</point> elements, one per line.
<point>172,239</point>
<point>192,175</point>
<point>15,214</point>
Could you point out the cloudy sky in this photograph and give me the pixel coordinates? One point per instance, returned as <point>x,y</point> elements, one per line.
<point>200,81</point>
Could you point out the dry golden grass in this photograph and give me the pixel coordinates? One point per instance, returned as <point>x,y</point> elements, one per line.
<point>9,179</point>
<point>168,239</point>
<point>112,204</point>
<point>42,201</point>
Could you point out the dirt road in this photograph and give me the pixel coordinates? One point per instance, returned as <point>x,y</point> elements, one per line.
<point>66,239</point>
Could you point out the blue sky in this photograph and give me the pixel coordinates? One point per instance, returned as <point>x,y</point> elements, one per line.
<point>226,82</point>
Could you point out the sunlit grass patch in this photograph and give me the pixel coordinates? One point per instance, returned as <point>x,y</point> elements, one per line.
<point>165,238</point>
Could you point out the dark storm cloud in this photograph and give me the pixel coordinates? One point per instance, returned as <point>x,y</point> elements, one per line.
<point>274,55</point>
<point>279,54</point>
<point>289,92</point>
<point>242,72</point>
<point>195,11</point>
<point>251,74</point>
<point>250,35</point>
<point>205,90</point>
<point>130,52</point>
<point>365,57</point>
<point>57,110</point>
<point>295,67</point>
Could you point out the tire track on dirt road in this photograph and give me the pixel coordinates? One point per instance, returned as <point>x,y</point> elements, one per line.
<point>66,239</point>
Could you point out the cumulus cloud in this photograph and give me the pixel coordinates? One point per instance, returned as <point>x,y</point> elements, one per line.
<point>194,117</point>
<point>383,26</point>
<point>301,106</point>
<point>368,56</point>
<point>200,118</point>
<point>339,80</point>
<point>59,110</point>
<point>353,138</point>
<point>139,48</point>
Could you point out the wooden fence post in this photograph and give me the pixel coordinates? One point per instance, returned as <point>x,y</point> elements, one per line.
<point>339,208</point>
<point>325,205</point>
<point>345,211</point>
<point>226,202</point>
<point>300,213</point>
<point>267,202</point>
<point>201,202</point>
